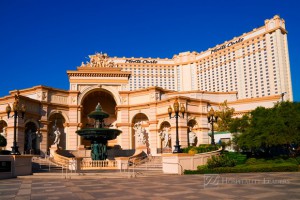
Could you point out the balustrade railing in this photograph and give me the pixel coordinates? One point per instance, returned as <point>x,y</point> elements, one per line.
<point>98,164</point>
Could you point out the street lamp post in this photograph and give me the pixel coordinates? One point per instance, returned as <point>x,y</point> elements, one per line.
<point>212,118</point>
<point>17,110</point>
<point>176,111</point>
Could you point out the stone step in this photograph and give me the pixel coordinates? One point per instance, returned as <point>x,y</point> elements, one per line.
<point>83,175</point>
<point>70,176</point>
<point>147,166</point>
<point>144,169</point>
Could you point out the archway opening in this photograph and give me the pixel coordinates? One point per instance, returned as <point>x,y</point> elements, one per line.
<point>31,142</point>
<point>89,104</point>
<point>165,137</point>
<point>191,135</point>
<point>3,133</point>
<point>139,134</point>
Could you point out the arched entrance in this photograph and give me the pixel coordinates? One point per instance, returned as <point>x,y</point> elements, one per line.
<point>191,135</point>
<point>89,104</point>
<point>31,141</point>
<point>165,137</point>
<point>3,132</point>
<point>57,121</point>
<point>139,133</point>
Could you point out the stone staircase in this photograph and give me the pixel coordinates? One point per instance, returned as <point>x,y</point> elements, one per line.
<point>44,168</point>
<point>43,165</point>
<point>148,166</point>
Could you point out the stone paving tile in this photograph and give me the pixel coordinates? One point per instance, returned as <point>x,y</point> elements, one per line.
<point>229,186</point>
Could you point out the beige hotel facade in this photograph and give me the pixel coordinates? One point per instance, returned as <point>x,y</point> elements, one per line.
<point>247,71</point>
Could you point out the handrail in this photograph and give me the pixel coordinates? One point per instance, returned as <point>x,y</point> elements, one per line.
<point>64,163</point>
<point>67,165</point>
<point>181,171</point>
<point>137,157</point>
<point>39,159</point>
<point>137,163</point>
<point>142,160</point>
<point>137,160</point>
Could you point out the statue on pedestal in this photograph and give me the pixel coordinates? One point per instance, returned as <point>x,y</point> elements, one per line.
<point>192,137</point>
<point>140,133</point>
<point>30,137</point>
<point>3,133</point>
<point>165,137</point>
<point>57,136</point>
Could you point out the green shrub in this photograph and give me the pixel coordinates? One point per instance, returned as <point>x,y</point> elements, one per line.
<point>192,151</point>
<point>202,167</point>
<point>251,161</point>
<point>279,160</point>
<point>238,157</point>
<point>298,159</point>
<point>292,160</point>
<point>202,148</point>
<point>282,167</point>
<point>254,161</point>
<point>186,150</point>
<point>279,167</point>
<point>220,161</point>
<point>191,172</point>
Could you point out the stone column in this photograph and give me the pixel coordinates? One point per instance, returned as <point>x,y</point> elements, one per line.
<point>43,130</point>
<point>153,135</point>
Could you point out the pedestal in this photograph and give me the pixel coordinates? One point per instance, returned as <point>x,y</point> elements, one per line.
<point>141,149</point>
<point>53,149</point>
<point>122,163</point>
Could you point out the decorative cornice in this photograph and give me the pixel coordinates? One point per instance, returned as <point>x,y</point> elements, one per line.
<point>98,74</point>
<point>123,124</point>
<point>153,122</point>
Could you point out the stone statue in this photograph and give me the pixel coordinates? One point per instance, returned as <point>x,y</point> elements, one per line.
<point>57,136</point>
<point>192,137</point>
<point>30,136</point>
<point>103,152</point>
<point>110,64</point>
<point>139,133</point>
<point>95,151</point>
<point>98,151</point>
<point>3,133</point>
<point>165,136</point>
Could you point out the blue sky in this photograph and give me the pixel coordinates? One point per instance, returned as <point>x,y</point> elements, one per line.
<point>41,39</point>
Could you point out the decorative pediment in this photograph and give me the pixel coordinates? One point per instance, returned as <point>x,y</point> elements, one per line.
<point>99,60</point>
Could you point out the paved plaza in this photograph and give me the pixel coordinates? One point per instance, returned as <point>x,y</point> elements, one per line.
<point>226,186</point>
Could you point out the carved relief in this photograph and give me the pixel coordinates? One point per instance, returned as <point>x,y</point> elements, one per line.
<point>99,60</point>
<point>124,100</point>
<point>74,100</point>
<point>42,96</point>
<point>59,99</point>
<point>39,96</point>
<point>155,96</point>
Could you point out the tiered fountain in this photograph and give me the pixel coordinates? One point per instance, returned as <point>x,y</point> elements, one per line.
<point>98,135</point>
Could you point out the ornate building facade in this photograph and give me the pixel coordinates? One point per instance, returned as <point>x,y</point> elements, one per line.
<point>248,71</point>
